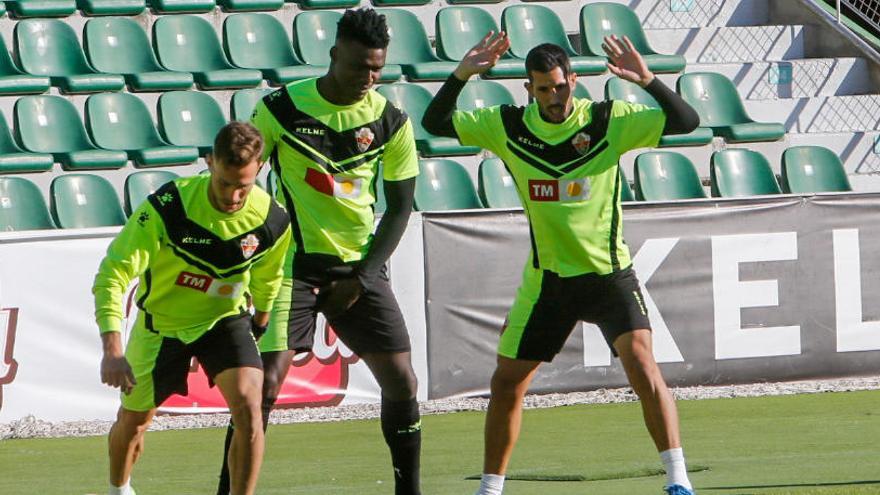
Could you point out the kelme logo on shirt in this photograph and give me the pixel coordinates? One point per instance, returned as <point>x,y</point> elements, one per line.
<point>249,245</point>
<point>559,190</point>
<point>364,137</point>
<point>581,142</point>
<point>210,286</point>
<point>340,187</point>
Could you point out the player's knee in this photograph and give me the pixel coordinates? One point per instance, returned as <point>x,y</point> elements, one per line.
<point>271,384</point>
<point>402,385</point>
<point>505,384</point>
<point>133,423</point>
<point>247,416</point>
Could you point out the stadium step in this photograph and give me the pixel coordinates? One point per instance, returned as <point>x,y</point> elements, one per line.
<point>715,45</point>
<point>823,114</point>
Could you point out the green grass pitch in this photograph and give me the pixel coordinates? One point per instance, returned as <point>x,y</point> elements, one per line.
<point>820,444</point>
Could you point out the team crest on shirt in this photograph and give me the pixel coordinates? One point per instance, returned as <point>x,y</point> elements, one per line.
<point>581,142</point>
<point>249,245</point>
<point>364,137</point>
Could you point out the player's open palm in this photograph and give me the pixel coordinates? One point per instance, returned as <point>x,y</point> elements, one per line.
<point>625,61</point>
<point>483,55</point>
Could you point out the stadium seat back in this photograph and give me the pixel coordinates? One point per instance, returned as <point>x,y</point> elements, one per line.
<point>244,101</point>
<point>714,97</point>
<point>84,200</point>
<point>665,176</point>
<point>190,118</point>
<point>188,43</point>
<point>257,41</point>
<point>482,94</point>
<point>531,25</point>
<point>602,19</point>
<point>738,172</point>
<point>409,41</point>
<point>495,185</point>
<point>807,169</point>
<point>22,206</point>
<point>49,47</point>
<point>111,7</point>
<point>120,121</point>
<point>444,185</point>
<point>50,124</point>
<point>460,28</point>
<point>141,184</point>
<point>581,91</point>
<point>626,192</point>
<point>314,35</point>
<point>119,45</point>
<point>618,89</point>
<point>412,99</point>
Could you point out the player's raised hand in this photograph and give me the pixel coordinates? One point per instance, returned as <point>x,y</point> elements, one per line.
<point>625,61</point>
<point>483,55</point>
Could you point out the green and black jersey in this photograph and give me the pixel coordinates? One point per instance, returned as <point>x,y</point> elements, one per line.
<point>195,264</point>
<point>567,175</point>
<point>327,158</point>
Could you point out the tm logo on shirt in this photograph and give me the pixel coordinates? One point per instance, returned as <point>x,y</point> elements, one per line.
<point>559,190</point>
<point>331,185</point>
<point>210,286</point>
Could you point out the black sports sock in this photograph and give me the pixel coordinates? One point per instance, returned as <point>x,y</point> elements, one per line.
<point>402,429</point>
<point>223,486</point>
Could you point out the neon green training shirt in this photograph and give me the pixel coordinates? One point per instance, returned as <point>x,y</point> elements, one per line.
<point>567,175</point>
<point>195,264</point>
<point>327,157</point>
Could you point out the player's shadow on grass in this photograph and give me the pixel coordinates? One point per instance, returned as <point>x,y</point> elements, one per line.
<point>792,485</point>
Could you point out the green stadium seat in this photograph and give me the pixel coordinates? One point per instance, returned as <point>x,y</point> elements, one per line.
<point>444,185</point>
<point>50,48</point>
<point>15,82</point>
<point>121,121</point>
<point>244,101</point>
<point>41,8</point>
<point>141,184</point>
<point>119,45</point>
<point>460,28</point>
<point>458,2</point>
<point>483,94</point>
<point>738,172</point>
<point>249,5</point>
<point>51,124</point>
<point>531,25</point>
<point>111,7</point>
<point>181,6</point>
<point>327,4</point>
<point>397,3</point>
<point>411,49</point>
<point>188,43</point>
<point>618,89</point>
<point>2,8</point>
<point>190,118</point>
<point>626,192</point>
<point>580,91</point>
<point>258,41</point>
<point>413,99</point>
<point>495,185</point>
<point>808,169</point>
<point>665,176</point>
<point>314,33</point>
<point>602,19</point>
<point>80,201</point>
<point>381,204</point>
<point>13,160</point>
<point>22,206</point>
<point>716,100</point>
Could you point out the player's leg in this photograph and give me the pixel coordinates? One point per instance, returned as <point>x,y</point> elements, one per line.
<point>374,329</point>
<point>160,366</point>
<point>625,324</point>
<point>537,326</point>
<point>231,360</point>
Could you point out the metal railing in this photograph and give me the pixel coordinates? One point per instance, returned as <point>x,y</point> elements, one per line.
<point>868,10</point>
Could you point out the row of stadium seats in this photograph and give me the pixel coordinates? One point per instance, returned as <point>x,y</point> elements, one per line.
<point>119,127</point>
<point>83,200</point>
<point>256,47</point>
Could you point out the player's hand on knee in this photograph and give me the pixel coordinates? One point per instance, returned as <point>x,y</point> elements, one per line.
<point>338,296</point>
<point>116,372</point>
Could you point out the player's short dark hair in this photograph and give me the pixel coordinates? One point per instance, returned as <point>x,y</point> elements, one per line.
<point>365,26</point>
<point>546,57</point>
<point>237,144</point>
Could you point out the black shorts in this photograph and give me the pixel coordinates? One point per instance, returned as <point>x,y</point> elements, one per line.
<point>548,306</point>
<point>162,364</point>
<point>373,324</point>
